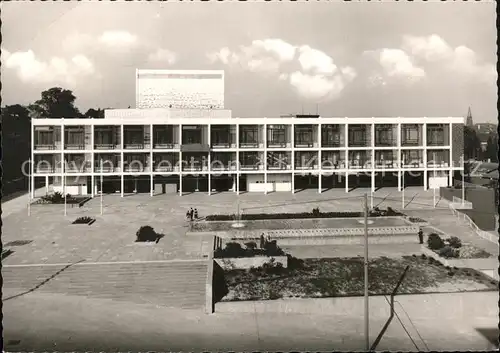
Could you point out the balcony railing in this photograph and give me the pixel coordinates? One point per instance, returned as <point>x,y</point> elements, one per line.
<point>44,169</point>
<point>166,169</point>
<point>74,146</point>
<point>359,143</point>
<point>106,168</point>
<point>223,145</point>
<point>411,142</point>
<point>49,146</point>
<point>106,146</point>
<point>274,144</point>
<point>360,164</point>
<point>437,164</point>
<point>327,164</point>
<point>305,144</point>
<point>283,166</point>
<point>195,147</point>
<point>244,144</point>
<point>331,143</point>
<point>134,145</point>
<point>166,145</point>
<point>385,142</point>
<point>306,166</point>
<point>386,163</point>
<point>194,168</point>
<point>255,166</point>
<point>413,164</point>
<point>436,142</point>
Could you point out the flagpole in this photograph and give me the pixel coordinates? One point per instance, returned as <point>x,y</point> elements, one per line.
<point>403,191</point>
<point>463,180</point>
<point>434,175</point>
<point>64,187</point>
<point>101,185</point>
<point>29,187</point>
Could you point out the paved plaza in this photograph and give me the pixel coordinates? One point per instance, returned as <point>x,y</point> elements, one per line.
<point>53,239</point>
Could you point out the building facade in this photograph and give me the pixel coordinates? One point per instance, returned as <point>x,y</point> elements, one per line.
<point>168,150</point>
<point>180,89</point>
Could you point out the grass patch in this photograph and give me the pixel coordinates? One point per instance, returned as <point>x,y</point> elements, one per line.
<point>338,277</point>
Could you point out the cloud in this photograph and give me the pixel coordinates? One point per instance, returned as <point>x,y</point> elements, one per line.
<point>30,69</point>
<point>316,61</point>
<point>260,56</point>
<point>315,76</point>
<point>460,60</point>
<point>162,56</point>
<point>118,39</point>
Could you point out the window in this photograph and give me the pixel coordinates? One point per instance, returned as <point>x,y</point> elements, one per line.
<point>74,136</point>
<point>45,138</point>
<point>220,134</point>
<point>249,135</point>
<point>304,135</point>
<point>435,135</point>
<point>276,134</point>
<point>103,136</point>
<point>330,135</point>
<point>383,135</point>
<point>357,135</point>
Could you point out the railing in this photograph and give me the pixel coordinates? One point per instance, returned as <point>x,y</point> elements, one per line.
<point>413,165</point>
<point>45,170</point>
<point>166,145</point>
<point>223,145</point>
<point>46,147</point>
<point>336,165</point>
<point>481,233</point>
<point>74,146</point>
<point>304,167</point>
<point>251,145</point>
<point>271,144</point>
<point>166,169</point>
<point>279,167</point>
<point>135,146</point>
<point>251,166</point>
<point>337,143</point>
<point>105,146</point>
<point>308,144</point>
<point>384,163</point>
<point>437,164</point>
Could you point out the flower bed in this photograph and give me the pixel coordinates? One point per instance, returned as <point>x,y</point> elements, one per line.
<point>58,198</point>
<point>250,262</point>
<point>303,215</point>
<point>84,220</point>
<point>317,278</point>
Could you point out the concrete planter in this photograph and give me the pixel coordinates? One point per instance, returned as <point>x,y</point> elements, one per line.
<point>464,263</point>
<point>248,262</point>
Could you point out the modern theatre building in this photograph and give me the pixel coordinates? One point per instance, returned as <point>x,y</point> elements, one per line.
<point>181,139</point>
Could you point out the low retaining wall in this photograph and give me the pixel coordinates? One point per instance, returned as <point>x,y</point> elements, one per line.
<point>478,264</point>
<point>311,233</point>
<point>248,262</point>
<point>350,240</point>
<point>338,306</point>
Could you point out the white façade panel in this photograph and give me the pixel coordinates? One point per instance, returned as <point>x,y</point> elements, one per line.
<point>180,89</point>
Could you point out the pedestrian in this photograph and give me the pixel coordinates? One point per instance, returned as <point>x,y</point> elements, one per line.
<point>195,213</point>
<point>191,213</point>
<point>187,215</point>
<point>420,236</point>
<point>262,242</point>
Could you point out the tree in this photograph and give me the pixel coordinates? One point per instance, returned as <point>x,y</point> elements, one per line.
<point>96,114</point>
<point>55,103</point>
<point>472,144</point>
<point>16,141</point>
<point>492,147</point>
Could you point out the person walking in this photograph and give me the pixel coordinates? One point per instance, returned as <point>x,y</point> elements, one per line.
<point>188,214</point>
<point>191,213</point>
<point>195,213</point>
<point>420,236</point>
<point>262,241</point>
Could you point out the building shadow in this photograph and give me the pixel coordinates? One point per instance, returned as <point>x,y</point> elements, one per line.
<point>491,334</point>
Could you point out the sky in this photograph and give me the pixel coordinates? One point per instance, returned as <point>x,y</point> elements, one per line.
<point>338,59</point>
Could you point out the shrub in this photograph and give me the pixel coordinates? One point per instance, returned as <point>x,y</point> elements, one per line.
<point>451,273</point>
<point>423,257</point>
<point>251,245</point>
<point>316,212</point>
<point>146,233</point>
<point>83,220</point>
<point>272,249</point>
<point>233,249</point>
<point>434,241</point>
<point>448,252</point>
<point>455,242</point>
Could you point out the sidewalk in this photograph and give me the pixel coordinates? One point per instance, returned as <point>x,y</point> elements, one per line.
<point>19,203</point>
<point>46,322</point>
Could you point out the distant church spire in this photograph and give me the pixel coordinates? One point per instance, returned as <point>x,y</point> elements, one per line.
<point>469,121</point>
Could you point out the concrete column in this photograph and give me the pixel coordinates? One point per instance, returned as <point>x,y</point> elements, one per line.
<point>237,158</point>
<point>292,160</point>
<point>347,182</point>
<point>426,187</point>
<point>450,177</point>
<point>63,165</point>
<point>151,166</point>
<point>237,184</point>
<point>265,158</point>
<point>320,188</point>
<point>46,185</point>
<point>450,154</point>
<point>92,157</point>
<point>122,162</point>
<point>209,159</point>
<point>180,159</point>
<point>31,167</point>
<point>399,180</point>
<point>373,182</point>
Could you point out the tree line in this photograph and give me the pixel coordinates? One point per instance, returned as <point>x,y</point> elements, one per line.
<point>55,102</point>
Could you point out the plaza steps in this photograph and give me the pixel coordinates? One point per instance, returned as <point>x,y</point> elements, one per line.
<point>169,284</point>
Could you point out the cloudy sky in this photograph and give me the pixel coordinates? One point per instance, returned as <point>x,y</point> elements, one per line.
<point>344,59</point>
